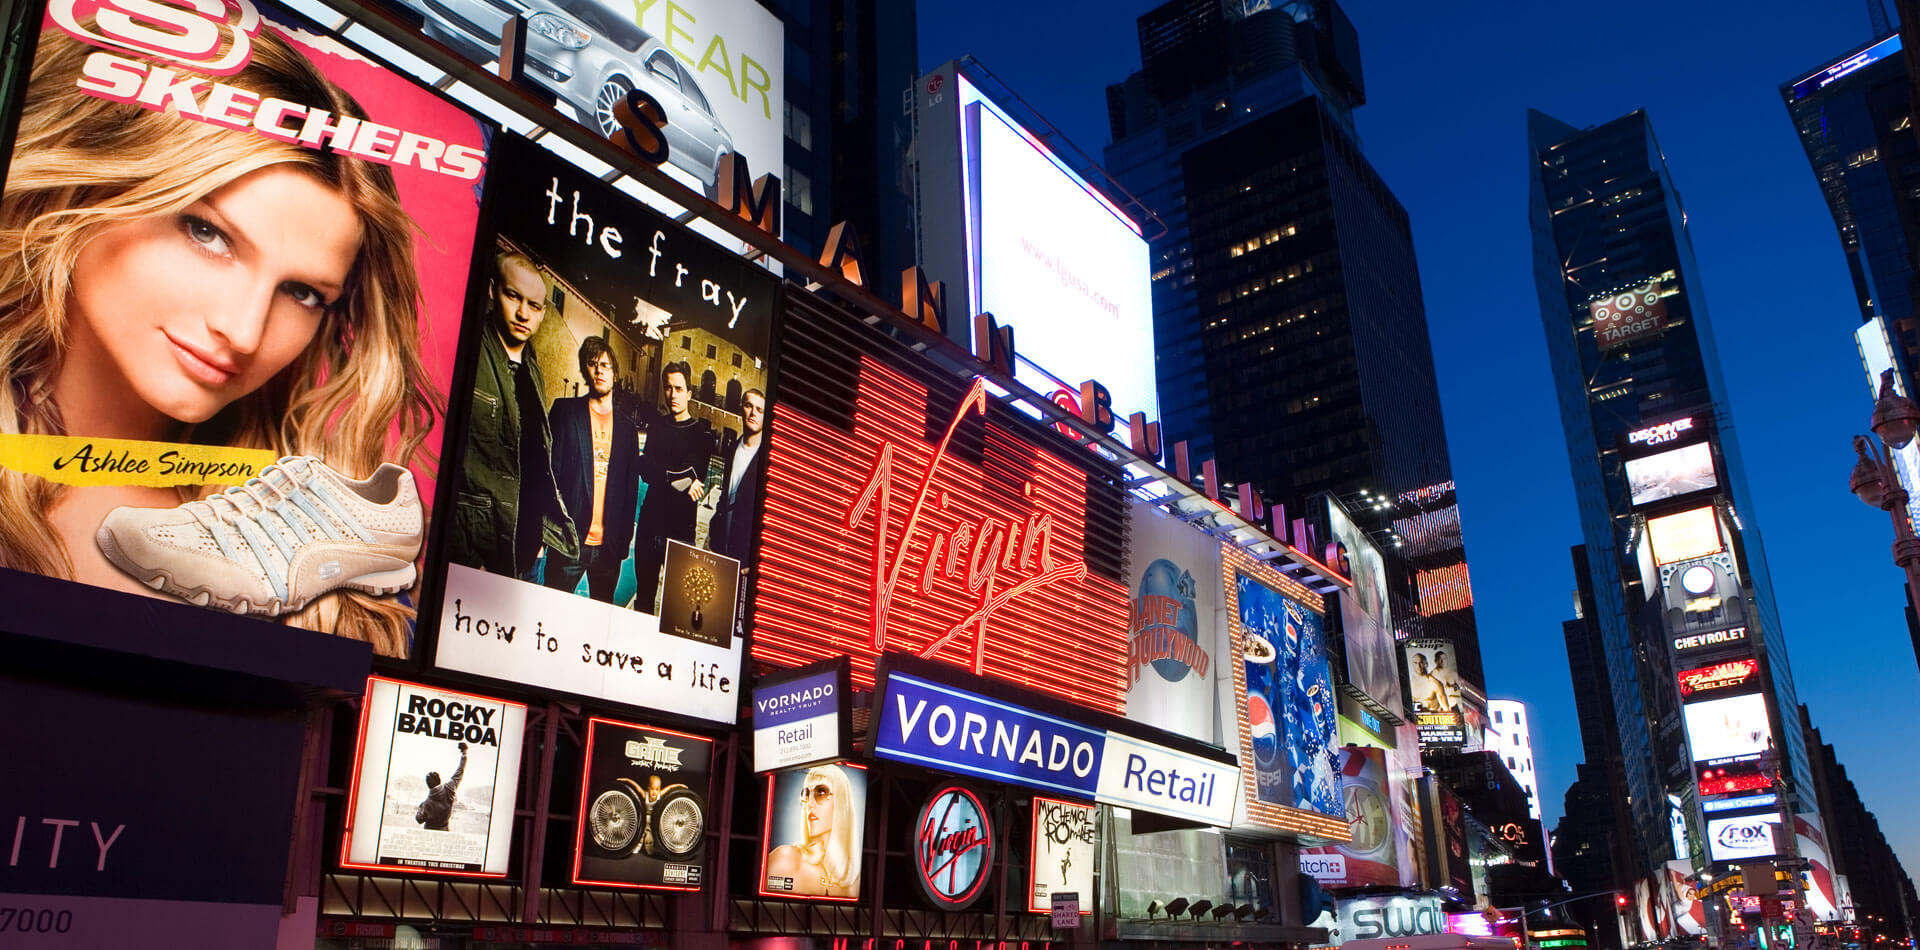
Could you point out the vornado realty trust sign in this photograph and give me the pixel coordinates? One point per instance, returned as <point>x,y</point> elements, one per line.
<point>932,718</point>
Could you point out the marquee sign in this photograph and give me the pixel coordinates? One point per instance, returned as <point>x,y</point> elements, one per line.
<point>938,527</point>
<point>1720,676</point>
<point>953,845</point>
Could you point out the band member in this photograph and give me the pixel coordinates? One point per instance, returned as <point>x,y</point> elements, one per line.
<point>676,466</point>
<point>596,463</point>
<point>506,504</point>
<point>745,459</point>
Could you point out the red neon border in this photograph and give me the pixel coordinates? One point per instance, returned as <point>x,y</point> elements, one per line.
<point>353,788</point>
<point>986,867</point>
<point>1033,851</point>
<point>580,816</point>
<point>766,831</point>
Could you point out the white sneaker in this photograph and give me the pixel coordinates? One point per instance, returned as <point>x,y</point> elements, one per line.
<point>273,545</point>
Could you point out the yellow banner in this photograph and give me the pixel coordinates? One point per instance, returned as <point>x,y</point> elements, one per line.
<point>75,460</point>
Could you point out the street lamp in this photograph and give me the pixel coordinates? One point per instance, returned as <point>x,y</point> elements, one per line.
<point>1895,420</point>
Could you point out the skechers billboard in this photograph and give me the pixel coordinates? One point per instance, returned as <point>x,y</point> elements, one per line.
<point>613,450</point>
<point>234,254</point>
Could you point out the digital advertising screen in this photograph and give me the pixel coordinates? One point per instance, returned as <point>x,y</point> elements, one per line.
<point>285,228</point>
<point>1439,707</point>
<point>614,449</point>
<point>1680,471</point>
<point>1430,532</point>
<point>1744,838</point>
<point>1066,836</point>
<point>1057,261</point>
<point>1631,315</point>
<point>813,833</point>
<point>1728,728</point>
<point>1175,624</point>
<point>1290,707</point>
<point>716,68</point>
<point>1371,857</point>
<point>1720,678</point>
<point>1442,590</point>
<point>1685,536</point>
<point>643,808</point>
<point>436,772</point>
<point>1366,621</point>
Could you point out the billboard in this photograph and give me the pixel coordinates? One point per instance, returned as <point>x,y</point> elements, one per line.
<point>1728,728</point>
<point>643,808</point>
<point>1370,858</point>
<point>1684,536</point>
<point>914,513</point>
<point>1630,315</point>
<point>1433,680</point>
<point>284,228</point>
<point>1014,232</point>
<point>1744,838</point>
<point>1672,473</point>
<point>1442,590</point>
<point>1174,625</point>
<point>814,832</point>
<point>614,449</point>
<point>715,67</point>
<point>1065,838</point>
<point>1365,918</point>
<point>1366,620</point>
<point>1290,707</point>
<point>803,716</point>
<point>434,779</point>
<point>1720,677</point>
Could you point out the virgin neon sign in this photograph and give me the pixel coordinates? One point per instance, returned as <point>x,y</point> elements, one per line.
<point>887,537</point>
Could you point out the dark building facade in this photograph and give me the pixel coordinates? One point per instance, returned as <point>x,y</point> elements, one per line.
<point>1884,903</point>
<point>1291,337</point>
<point>1608,224</point>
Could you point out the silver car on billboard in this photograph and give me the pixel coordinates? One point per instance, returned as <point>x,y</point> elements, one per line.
<point>590,55</point>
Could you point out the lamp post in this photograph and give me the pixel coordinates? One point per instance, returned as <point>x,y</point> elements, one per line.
<point>1895,420</point>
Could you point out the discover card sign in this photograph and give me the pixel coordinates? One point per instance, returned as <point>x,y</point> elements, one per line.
<point>956,730</point>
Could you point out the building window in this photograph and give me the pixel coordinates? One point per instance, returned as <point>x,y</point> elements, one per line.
<point>686,343</point>
<point>736,359</point>
<point>712,351</point>
<point>1496,716</point>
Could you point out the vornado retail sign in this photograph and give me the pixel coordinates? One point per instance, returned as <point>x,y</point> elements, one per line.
<point>947,727</point>
<point>1372,917</point>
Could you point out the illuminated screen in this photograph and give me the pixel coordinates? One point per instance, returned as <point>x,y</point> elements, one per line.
<point>643,806</point>
<point>1429,531</point>
<point>1735,839</point>
<point>1060,265</point>
<point>1364,619</point>
<point>814,832</point>
<point>1677,472</point>
<point>434,781</point>
<point>1727,728</point>
<point>1444,589</point>
<point>1685,536</point>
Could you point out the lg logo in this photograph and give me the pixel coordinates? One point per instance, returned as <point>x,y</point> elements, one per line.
<point>214,37</point>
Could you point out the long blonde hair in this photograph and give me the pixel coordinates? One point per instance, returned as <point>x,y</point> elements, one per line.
<point>839,853</point>
<point>358,395</point>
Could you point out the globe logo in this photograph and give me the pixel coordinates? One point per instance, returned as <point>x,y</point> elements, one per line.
<point>1166,625</point>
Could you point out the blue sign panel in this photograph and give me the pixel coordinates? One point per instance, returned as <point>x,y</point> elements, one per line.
<point>795,700</point>
<point>957,731</point>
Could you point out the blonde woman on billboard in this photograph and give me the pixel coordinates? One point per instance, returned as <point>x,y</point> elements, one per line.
<point>172,280</point>
<point>827,862</point>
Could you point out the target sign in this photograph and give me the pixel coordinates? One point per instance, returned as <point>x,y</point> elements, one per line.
<point>953,846</point>
<point>1629,315</point>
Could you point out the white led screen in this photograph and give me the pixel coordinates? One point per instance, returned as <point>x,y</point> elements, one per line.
<point>1058,263</point>
<point>1678,472</point>
<point>1728,728</point>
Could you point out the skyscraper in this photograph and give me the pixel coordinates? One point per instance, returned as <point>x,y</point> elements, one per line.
<point>1291,337</point>
<point>1678,576</point>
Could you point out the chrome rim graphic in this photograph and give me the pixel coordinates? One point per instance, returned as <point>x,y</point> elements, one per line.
<point>614,820</point>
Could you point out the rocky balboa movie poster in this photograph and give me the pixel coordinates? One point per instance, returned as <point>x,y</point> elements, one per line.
<point>643,808</point>
<point>434,790</point>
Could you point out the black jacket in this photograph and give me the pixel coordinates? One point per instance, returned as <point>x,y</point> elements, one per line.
<point>573,471</point>
<point>731,531</point>
<point>491,489</point>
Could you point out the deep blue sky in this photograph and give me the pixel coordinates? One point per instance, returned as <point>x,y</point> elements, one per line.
<point>1448,86</point>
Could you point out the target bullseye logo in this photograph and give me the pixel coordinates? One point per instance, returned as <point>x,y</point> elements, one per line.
<point>953,844</point>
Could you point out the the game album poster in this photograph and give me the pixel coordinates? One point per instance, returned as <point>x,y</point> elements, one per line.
<point>434,788</point>
<point>643,808</point>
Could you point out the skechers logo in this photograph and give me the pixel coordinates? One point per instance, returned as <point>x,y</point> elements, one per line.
<point>329,570</point>
<point>211,36</point>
